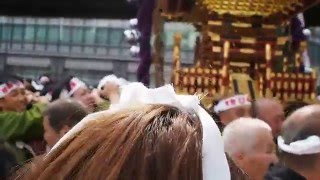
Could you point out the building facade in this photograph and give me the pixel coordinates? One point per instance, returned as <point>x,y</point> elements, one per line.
<point>87,48</point>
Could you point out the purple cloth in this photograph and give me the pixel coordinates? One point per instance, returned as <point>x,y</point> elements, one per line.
<point>297,30</point>
<point>145,27</point>
<point>297,33</point>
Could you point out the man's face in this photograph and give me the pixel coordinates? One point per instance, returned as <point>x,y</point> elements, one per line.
<point>84,96</point>
<point>257,162</point>
<point>273,115</point>
<point>15,101</point>
<point>50,135</point>
<point>232,114</point>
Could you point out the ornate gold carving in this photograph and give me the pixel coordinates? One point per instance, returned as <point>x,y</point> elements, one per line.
<point>251,8</point>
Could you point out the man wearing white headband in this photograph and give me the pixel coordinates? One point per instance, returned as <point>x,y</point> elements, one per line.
<point>233,108</point>
<point>73,87</point>
<point>273,113</point>
<point>12,96</point>
<point>250,144</point>
<point>299,143</point>
<point>17,123</point>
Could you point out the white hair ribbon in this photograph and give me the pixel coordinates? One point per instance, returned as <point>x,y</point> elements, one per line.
<point>308,146</point>
<point>214,161</point>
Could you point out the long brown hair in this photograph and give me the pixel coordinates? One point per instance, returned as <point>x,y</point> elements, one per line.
<point>150,142</point>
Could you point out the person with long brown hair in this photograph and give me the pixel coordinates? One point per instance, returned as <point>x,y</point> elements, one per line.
<point>150,134</point>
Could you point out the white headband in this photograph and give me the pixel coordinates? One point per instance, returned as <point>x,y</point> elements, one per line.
<point>232,102</point>
<point>214,162</point>
<point>308,146</point>
<point>112,78</point>
<point>6,88</point>
<point>37,86</point>
<point>75,84</point>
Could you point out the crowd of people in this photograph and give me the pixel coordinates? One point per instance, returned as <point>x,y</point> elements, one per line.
<point>35,114</point>
<point>65,129</point>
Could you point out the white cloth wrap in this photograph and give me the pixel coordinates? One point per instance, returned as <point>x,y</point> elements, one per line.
<point>112,79</point>
<point>310,145</point>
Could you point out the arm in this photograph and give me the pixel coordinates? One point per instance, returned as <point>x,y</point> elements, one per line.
<point>22,126</point>
<point>111,91</point>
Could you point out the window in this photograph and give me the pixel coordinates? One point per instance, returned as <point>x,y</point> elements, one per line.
<point>6,32</point>
<point>77,35</point>
<point>29,34</point>
<point>189,40</point>
<point>168,39</point>
<point>102,36</point>
<point>53,34</point>
<point>65,35</point>
<point>17,32</point>
<point>89,33</point>
<point>116,36</point>
<point>41,34</point>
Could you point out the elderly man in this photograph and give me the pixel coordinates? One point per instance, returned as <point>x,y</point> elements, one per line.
<point>233,108</point>
<point>299,143</point>
<point>249,143</point>
<point>271,111</point>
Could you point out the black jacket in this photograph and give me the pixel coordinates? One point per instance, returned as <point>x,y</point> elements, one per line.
<point>279,172</point>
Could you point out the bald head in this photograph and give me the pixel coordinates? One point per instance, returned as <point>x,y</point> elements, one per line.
<point>300,125</point>
<point>229,115</point>
<point>271,111</point>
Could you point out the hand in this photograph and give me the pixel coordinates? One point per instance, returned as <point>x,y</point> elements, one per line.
<point>96,95</point>
<point>42,99</point>
<point>30,96</point>
<point>111,91</point>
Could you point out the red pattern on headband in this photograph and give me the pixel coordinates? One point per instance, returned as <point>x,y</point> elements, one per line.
<point>8,87</point>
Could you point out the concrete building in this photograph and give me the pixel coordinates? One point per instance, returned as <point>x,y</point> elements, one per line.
<point>87,48</point>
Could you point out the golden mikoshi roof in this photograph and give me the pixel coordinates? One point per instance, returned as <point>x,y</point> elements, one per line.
<point>251,7</point>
